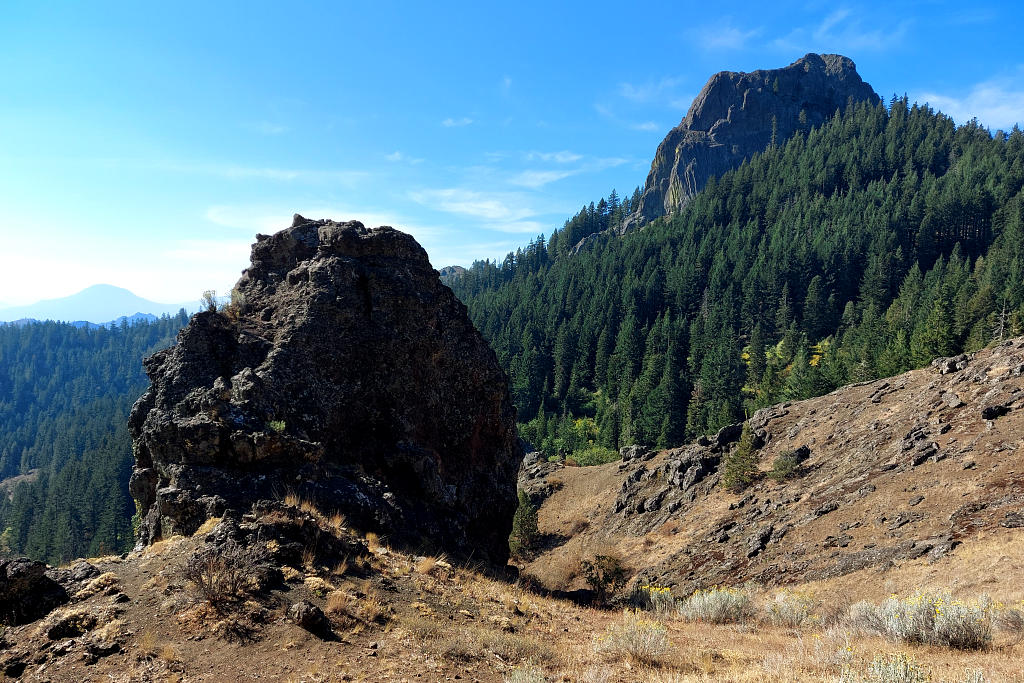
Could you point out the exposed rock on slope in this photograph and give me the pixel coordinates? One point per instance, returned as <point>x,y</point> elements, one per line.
<point>882,472</point>
<point>738,114</point>
<point>346,372</point>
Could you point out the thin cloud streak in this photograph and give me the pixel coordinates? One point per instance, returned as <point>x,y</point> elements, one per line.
<point>726,36</point>
<point>841,31</point>
<point>240,172</point>
<point>996,103</point>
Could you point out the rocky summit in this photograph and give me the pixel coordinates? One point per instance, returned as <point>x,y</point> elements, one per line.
<point>345,374</point>
<point>736,115</point>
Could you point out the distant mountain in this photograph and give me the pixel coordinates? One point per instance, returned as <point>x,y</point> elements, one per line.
<point>96,305</point>
<point>739,114</point>
<point>450,272</point>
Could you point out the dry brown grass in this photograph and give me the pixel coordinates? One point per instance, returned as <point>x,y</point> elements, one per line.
<point>103,582</point>
<point>207,526</point>
<point>315,584</point>
<point>163,546</point>
<point>339,602</point>
<point>337,521</point>
<point>109,632</point>
<point>373,542</point>
<point>372,608</point>
<point>147,641</point>
<point>428,565</point>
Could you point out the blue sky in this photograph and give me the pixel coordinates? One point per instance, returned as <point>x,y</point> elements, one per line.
<point>144,144</point>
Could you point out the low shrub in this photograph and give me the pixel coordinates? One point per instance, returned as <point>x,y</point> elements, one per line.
<point>930,618</point>
<point>899,667</point>
<point>785,466</point>
<point>657,599</point>
<point>790,609</point>
<point>529,674</point>
<point>594,455</point>
<point>718,606</point>
<point>225,573</point>
<point>605,575</point>
<point>635,638</point>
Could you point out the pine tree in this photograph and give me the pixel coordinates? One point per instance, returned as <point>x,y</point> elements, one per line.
<point>740,467</point>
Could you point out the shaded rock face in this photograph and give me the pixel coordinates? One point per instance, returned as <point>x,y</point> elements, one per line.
<point>343,371</point>
<point>738,114</point>
<point>27,592</point>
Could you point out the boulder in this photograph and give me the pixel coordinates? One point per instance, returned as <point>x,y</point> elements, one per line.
<point>26,592</point>
<point>342,370</point>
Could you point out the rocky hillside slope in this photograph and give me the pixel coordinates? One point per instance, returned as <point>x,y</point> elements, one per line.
<point>342,371</point>
<point>736,115</point>
<point>915,467</point>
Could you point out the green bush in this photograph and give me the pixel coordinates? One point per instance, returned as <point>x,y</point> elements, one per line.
<point>594,455</point>
<point>605,575</point>
<point>740,468</point>
<point>524,528</point>
<point>785,466</point>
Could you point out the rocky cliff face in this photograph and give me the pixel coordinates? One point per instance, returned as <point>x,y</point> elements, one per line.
<point>345,372</point>
<point>738,114</point>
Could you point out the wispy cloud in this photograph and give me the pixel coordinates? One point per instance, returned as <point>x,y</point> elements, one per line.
<point>231,171</point>
<point>505,87</point>
<point>844,31</point>
<point>651,91</point>
<point>724,34</point>
<point>456,123</point>
<point>397,156</point>
<point>644,126</point>
<point>563,157</point>
<point>500,207</point>
<point>535,179</point>
<point>996,103</point>
<point>268,128</point>
<point>209,251</point>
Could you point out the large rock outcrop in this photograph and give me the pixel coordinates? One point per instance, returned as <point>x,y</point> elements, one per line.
<point>738,114</point>
<point>345,372</point>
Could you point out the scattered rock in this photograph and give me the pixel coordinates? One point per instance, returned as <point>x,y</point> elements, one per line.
<point>308,616</point>
<point>1013,520</point>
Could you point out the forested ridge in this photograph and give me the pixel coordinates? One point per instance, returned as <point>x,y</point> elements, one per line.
<point>861,249</point>
<point>857,250</point>
<point>65,393</point>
